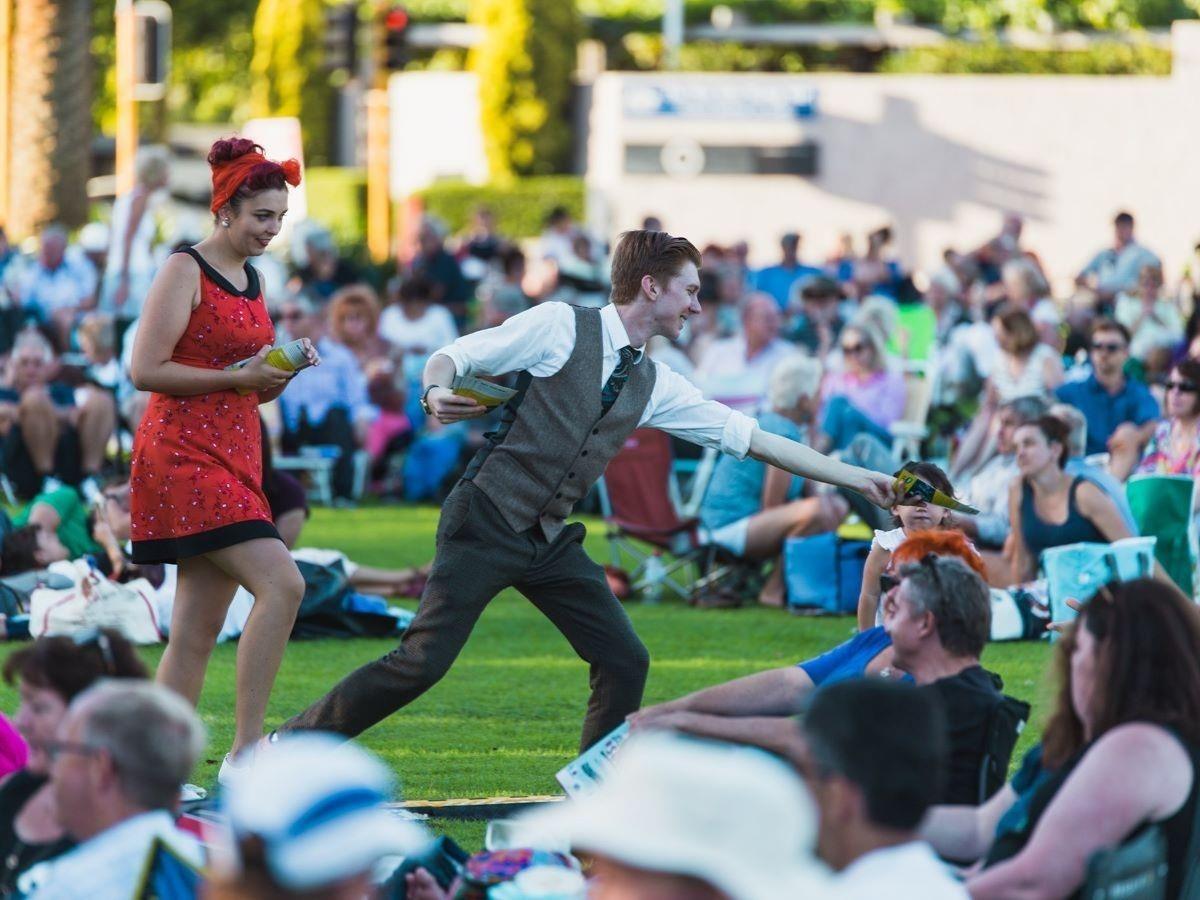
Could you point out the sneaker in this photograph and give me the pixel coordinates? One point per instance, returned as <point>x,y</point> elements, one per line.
<point>229,771</point>
<point>191,792</point>
<point>50,484</point>
<point>90,489</point>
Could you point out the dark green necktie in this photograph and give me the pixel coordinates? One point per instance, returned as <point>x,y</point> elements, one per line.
<point>616,380</point>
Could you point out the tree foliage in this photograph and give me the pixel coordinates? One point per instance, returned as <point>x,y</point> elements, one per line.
<point>288,78</point>
<point>525,64</point>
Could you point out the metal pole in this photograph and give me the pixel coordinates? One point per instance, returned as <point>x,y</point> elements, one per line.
<point>127,123</point>
<point>6,29</point>
<point>379,207</point>
<point>672,33</point>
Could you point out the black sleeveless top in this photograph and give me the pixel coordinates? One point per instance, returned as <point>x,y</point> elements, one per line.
<point>1041,535</point>
<point>16,857</point>
<point>1037,789</point>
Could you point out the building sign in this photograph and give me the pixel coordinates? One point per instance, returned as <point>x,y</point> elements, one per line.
<point>718,99</point>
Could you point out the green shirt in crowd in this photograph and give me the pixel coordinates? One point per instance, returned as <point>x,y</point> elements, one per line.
<point>72,528</point>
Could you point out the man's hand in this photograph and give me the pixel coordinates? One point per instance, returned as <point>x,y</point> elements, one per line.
<point>449,407</point>
<point>882,490</point>
<point>663,720</point>
<point>651,716</point>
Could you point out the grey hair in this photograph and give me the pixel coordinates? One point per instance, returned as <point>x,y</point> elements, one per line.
<point>435,225</point>
<point>793,378</point>
<point>152,164</point>
<point>960,601</point>
<point>151,734</point>
<point>53,230</point>
<point>31,337</point>
<point>1028,273</point>
<point>1026,409</point>
<point>1076,427</point>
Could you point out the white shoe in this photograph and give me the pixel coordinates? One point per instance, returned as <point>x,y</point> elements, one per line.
<point>191,792</point>
<point>90,489</point>
<point>229,771</point>
<point>50,484</point>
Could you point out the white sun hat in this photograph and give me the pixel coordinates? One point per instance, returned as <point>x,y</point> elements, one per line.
<point>317,804</point>
<point>734,817</point>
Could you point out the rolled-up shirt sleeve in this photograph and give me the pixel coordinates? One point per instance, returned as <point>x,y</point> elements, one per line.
<point>538,340</point>
<point>677,407</point>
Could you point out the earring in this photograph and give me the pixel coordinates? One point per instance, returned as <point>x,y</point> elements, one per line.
<point>225,222</point>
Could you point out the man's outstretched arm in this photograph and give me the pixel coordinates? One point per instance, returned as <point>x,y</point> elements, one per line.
<point>879,488</point>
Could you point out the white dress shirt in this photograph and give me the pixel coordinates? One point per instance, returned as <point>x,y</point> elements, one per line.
<point>541,340</point>
<point>899,873</point>
<point>110,865</point>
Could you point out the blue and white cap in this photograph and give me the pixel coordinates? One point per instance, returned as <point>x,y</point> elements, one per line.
<point>318,804</point>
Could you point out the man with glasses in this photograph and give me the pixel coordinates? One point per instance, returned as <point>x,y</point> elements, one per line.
<point>1121,413</point>
<point>937,615</point>
<point>121,755</point>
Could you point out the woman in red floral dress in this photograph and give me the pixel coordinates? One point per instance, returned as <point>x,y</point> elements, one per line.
<point>196,479</point>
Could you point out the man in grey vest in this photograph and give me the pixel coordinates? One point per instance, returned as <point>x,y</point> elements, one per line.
<point>585,383</point>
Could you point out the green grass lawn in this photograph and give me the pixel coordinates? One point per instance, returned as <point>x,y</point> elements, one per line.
<point>508,714</point>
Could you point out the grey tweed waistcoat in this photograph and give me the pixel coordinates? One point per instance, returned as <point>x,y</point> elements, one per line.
<point>553,443</point>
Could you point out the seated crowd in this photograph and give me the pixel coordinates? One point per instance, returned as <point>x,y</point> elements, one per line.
<point>860,772</point>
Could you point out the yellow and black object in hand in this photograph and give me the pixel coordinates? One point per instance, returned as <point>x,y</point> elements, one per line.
<point>919,489</point>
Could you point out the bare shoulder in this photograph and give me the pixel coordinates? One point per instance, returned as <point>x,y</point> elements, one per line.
<point>1137,744</point>
<point>178,278</point>
<point>1089,495</point>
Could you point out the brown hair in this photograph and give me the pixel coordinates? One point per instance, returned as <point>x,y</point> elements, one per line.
<point>1109,325</point>
<point>1189,369</point>
<point>353,298</point>
<point>19,551</point>
<point>1019,326</point>
<point>653,253</point>
<point>1054,430</point>
<point>70,665</point>
<point>1147,668</point>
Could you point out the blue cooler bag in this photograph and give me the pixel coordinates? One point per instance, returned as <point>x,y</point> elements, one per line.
<point>824,572</point>
<point>1077,571</point>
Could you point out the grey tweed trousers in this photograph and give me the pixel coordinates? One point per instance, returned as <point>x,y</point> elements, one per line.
<point>478,555</point>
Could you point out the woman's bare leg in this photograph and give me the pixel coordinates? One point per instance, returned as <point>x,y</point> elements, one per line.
<point>266,569</point>
<point>202,599</point>
<point>769,528</point>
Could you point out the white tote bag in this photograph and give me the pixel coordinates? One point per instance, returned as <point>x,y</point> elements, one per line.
<point>94,601</point>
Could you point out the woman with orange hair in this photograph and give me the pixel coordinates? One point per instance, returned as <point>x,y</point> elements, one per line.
<point>196,476</point>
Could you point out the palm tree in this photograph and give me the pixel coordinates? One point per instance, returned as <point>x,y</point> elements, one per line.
<point>51,128</point>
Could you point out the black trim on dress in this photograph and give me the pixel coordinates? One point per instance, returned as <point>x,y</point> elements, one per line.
<point>252,290</point>
<point>173,549</point>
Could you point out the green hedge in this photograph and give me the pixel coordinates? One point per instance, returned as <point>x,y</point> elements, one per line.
<point>337,198</point>
<point>520,208</point>
<point>979,59</point>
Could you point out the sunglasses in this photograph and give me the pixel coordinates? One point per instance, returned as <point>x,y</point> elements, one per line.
<point>888,583</point>
<point>1188,387</point>
<point>1108,346</point>
<point>293,314</point>
<point>853,349</point>
<point>54,749</point>
<point>94,637</point>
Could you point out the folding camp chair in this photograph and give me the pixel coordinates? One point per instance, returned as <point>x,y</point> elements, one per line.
<point>1005,724</point>
<point>912,427</point>
<point>636,502</point>
<point>1163,507</point>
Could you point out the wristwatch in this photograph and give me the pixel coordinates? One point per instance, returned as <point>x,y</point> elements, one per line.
<point>425,399</point>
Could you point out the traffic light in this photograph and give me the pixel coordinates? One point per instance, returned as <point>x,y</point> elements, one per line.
<point>395,37</point>
<point>341,37</point>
